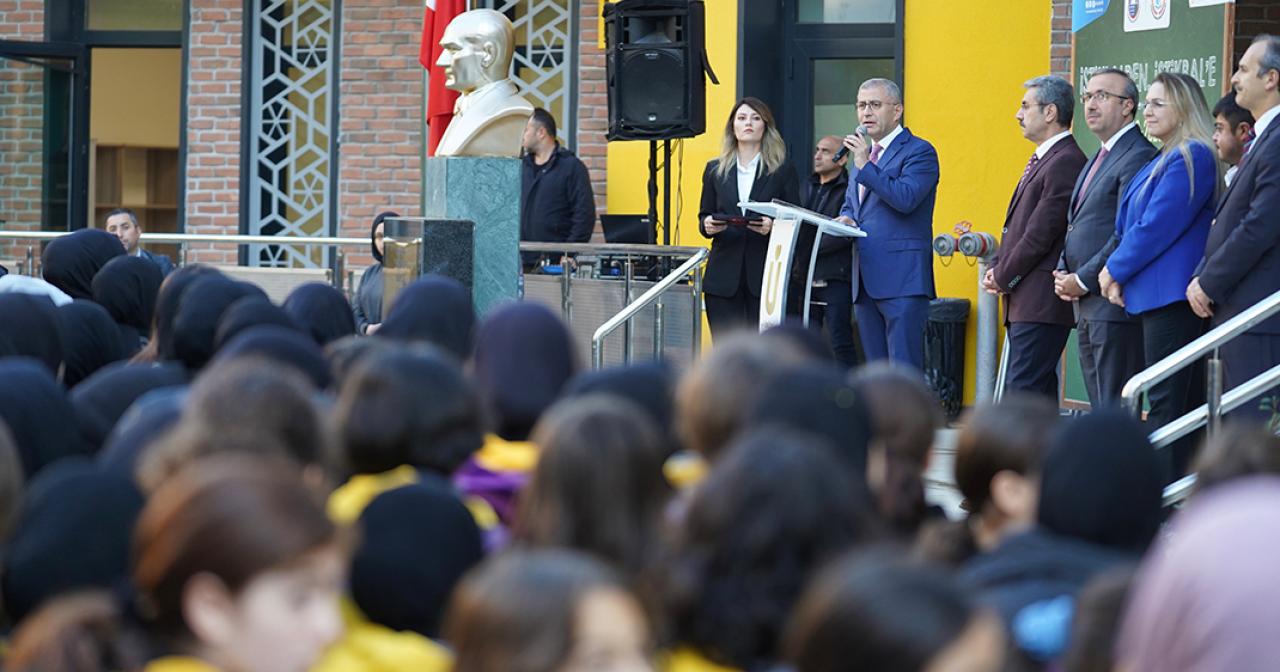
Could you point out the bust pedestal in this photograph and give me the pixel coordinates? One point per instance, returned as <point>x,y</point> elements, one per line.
<point>470,230</point>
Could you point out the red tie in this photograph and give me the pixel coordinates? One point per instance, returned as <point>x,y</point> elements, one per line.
<point>875,156</point>
<point>1088,179</point>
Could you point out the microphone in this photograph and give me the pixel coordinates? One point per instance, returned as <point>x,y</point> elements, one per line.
<point>844,151</point>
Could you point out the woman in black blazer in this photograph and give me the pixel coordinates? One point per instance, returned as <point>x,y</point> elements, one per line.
<point>753,158</point>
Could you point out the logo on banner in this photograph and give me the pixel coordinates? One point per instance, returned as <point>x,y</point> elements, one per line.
<point>1146,15</point>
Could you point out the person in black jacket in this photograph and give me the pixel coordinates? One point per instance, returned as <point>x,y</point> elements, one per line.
<point>556,201</point>
<point>752,167</point>
<point>831,307</point>
<point>367,307</point>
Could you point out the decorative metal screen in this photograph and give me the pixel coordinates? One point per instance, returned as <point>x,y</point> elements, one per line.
<point>546,59</point>
<point>290,128</point>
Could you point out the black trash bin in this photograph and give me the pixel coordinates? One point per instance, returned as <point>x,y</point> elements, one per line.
<point>944,352</point>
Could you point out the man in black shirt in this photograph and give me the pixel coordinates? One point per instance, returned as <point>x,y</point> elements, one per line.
<point>832,309</point>
<point>556,201</point>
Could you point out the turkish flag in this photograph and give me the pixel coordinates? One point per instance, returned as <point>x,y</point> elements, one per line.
<point>440,100</point>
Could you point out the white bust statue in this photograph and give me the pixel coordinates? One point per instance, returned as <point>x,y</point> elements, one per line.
<point>491,114</point>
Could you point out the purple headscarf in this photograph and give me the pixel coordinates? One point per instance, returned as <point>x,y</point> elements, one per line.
<point>1208,596</point>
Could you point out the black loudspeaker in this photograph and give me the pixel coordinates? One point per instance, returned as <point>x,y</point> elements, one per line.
<point>656,62</point>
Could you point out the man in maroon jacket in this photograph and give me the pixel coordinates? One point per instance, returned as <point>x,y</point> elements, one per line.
<point>1034,228</point>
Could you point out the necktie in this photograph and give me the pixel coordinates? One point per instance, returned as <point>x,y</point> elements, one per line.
<point>1035,158</point>
<point>1093,170</point>
<point>875,156</point>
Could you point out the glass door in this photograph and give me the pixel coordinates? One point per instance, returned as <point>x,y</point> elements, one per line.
<point>42,136</point>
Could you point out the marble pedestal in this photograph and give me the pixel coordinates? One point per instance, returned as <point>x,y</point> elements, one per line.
<point>485,191</point>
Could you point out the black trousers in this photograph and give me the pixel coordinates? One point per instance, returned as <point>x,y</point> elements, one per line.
<point>1034,352</point>
<point>726,314</point>
<point>1110,354</point>
<point>835,317</point>
<point>1243,358</point>
<point>1164,330</point>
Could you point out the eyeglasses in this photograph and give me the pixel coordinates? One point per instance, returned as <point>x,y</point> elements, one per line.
<point>875,105</point>
<point>1099,97</point>
<point>1154,103</point>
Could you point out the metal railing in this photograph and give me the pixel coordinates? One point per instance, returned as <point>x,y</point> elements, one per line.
<point>694,257</point>
<point>1217,402</point>
<point>654,294</point>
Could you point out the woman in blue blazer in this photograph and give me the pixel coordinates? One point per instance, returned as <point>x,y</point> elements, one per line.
<point>1162,224</point>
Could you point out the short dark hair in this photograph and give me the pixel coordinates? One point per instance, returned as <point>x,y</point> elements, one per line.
<point>1009,436</point>
<point>133,216</point>
<point>544,119</point>
<point>409,406</point>
<point>876,611</point>
<point>1055,91</point>
<point>1130,87</point>
<point>1229,109</point>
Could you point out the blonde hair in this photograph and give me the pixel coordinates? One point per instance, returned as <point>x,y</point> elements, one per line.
<point>1195,124</point>
<point>773,151</point>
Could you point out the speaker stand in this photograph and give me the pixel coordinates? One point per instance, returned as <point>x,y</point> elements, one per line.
<point>666,196</point>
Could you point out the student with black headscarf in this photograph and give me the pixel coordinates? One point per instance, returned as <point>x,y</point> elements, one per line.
<point>416,543</point>
<point>436,310</point>
<point>102,399</point>
<point>1100,507</point>
<point>89,340</point>
<point>172,290</point>
<point>322,311</point>
<point>127,287</point>
<point>283,346</point>
<point>247,313</point>
<point>195,324</point>
<point>38,413</point>
<point>70,262</point>
<point>367,308</point>
<point>74,533</point>
<point>524,356</point>
<point>29,328</point>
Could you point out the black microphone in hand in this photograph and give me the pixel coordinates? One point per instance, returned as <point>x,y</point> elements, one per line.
<point>844,150</point>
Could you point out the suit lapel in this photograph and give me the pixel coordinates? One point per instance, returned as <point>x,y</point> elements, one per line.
<point>1123,146</point>
<point>887,155</point>
<point>1075,192</point>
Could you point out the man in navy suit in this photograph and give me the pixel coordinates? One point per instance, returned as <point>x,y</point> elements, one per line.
<point>1034,228</point>
<point>893,183</point>
<point>1110,340</point>
<point>123,224</point>
<point>1241,264</point>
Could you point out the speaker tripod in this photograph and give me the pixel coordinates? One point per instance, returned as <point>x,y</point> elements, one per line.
<point>666,190</point>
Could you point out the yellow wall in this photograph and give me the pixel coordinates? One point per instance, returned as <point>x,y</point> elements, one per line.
<point>964,67</point>
<point>135,97</point>
<point>965,63</point>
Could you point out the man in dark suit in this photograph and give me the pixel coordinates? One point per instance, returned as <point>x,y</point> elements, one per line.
<point>1110,339</point>
<point>1037,322</point>
<point>123,224</point>
<point>892,188</point>
<point>832,299</point>
<point>1241,264</point>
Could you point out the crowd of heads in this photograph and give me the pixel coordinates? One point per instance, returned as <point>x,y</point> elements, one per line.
<point>257,487</point>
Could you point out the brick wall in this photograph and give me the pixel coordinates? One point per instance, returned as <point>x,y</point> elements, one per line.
<point>21,125</point>
<point>380,115</point>
<point>1254,17</point>
<point>1060,39</point>
<point>213,125</point>
<point>593,104</point>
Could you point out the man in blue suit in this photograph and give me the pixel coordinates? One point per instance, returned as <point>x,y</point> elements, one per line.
<point>893,183</point>
<point>123,224</point>
<point>1241,264</point>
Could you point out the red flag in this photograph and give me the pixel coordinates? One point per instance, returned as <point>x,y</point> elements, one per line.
<point>440,100</point>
